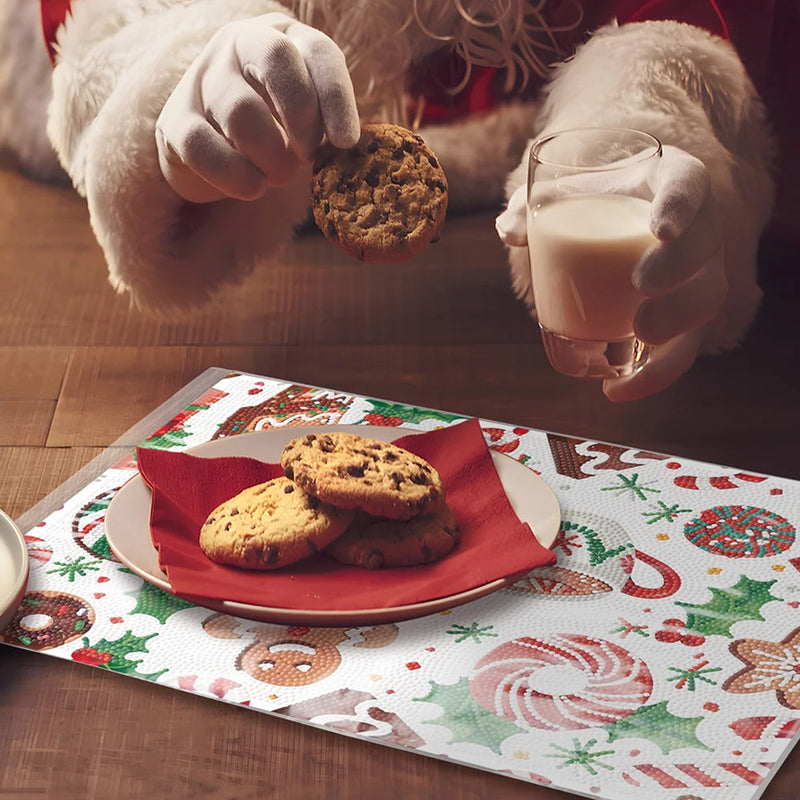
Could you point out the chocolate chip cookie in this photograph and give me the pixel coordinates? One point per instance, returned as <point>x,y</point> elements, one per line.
<point>384,199</point>
<point>378,543</point>
<point>350,471</point>
<point>271,525</point>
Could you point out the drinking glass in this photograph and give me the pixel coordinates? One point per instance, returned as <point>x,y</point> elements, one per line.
<point>588,218</point>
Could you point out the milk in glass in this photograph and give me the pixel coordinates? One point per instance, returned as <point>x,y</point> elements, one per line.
<point>583,249</point>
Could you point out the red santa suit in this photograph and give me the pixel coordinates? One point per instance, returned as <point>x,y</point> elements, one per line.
<point>117,61</point>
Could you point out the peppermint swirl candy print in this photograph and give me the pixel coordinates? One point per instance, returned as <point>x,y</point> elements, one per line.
<point>563,682</point>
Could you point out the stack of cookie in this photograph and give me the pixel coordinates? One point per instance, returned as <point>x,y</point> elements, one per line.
<point>364,502</point>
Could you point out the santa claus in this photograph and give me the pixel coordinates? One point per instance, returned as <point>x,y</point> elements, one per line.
<point>189,126</point>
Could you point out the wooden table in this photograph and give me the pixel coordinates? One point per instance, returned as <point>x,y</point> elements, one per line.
<point>79,367</point>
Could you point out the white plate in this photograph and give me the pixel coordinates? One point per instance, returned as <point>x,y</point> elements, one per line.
<point>127,526</point>
<point>14,567</point>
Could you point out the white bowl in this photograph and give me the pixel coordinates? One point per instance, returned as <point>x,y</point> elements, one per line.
<point>14,566</point>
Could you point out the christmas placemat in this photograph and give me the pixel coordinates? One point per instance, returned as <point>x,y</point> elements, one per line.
<point>659,653</point>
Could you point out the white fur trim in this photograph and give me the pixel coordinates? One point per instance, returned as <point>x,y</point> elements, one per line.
<point>110,85</point>
<point>690,90</point>
<point>25,89</point>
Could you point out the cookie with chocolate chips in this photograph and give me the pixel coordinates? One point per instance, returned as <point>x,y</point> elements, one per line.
<point>350,471</point>
<point>384,199</point>
<point>377,543</point>
<point>271,525</point>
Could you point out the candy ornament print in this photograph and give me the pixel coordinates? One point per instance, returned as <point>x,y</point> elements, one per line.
<point>740,532</point>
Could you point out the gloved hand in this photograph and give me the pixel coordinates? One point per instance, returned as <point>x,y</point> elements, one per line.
<point>252,106</point>
<point>682,276</point>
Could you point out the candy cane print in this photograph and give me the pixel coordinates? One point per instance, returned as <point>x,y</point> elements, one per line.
<point>670,580</point>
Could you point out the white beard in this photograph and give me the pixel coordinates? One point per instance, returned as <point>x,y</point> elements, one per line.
<point>383,38</point>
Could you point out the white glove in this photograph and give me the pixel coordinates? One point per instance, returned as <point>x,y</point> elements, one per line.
<point>252,107</point>
<point>683,276</point>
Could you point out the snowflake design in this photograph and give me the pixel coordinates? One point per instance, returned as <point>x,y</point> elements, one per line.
<point>689,677</point>
<point>631,484</point>
<point>665,512</point>
<point>626,628</point>
<point>567,542</point>
<point>582,755</point>
<point>474,632</point>
<point>78,566</point>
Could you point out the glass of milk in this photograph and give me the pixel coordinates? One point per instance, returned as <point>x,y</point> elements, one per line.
<point>589,193</point>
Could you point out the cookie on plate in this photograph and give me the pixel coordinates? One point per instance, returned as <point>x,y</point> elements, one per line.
<point>270,525</point>
<point>350,471</point>
<point>384,199</point>
<point>376,543</point>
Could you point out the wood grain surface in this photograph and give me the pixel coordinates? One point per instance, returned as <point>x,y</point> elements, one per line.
<point>78,367</point>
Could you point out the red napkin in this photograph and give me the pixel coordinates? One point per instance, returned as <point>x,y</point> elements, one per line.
<point>494,543</point>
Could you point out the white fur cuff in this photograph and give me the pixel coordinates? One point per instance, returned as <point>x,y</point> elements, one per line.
<point>167,253</point>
